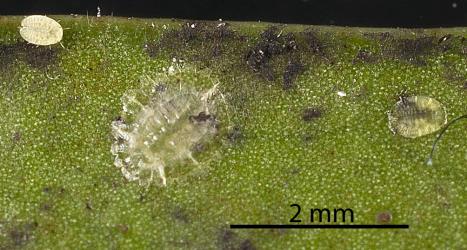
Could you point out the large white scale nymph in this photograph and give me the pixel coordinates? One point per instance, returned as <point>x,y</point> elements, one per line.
<point>159,127</point>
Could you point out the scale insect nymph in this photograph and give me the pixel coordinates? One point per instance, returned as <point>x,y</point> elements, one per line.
<point>159,126</point>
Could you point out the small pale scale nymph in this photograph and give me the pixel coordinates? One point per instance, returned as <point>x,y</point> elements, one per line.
<point>159,127</point>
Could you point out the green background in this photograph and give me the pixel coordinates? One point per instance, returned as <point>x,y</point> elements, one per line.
<point>59,188</point>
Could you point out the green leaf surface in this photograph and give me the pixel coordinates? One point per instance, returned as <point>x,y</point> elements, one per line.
<point>287,135</point>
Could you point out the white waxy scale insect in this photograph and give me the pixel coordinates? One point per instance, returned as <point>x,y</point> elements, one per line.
<point>159,129</point>
<point>41,30</point>
<point>416,116</point>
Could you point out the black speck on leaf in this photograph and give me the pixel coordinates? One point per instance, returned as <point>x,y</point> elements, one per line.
<point>384,217</point>
<point>311,113</point>
<point>201,117</point>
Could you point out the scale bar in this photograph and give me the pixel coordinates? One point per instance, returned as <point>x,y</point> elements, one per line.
<point>318,226</point>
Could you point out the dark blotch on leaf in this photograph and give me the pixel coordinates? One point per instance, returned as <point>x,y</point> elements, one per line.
<point>207,37</point>
<point>307,138</point>
<point>204,31</point>
<point>293,69</point>
<point>221,31</point>
<point>271,43</point>
<point>22,234</point>
<point>46,190</point>
<point>19,237</point>
<point>190,31</point>
<point>41,57</point>
<point>247,245</point>
<point>274,43</point>
<point>119,119</point>
<point>16,137</point>
<point>235,134</point>
<point>413,49</point>
<point>267,72</point>
<point>227,239</point>
<point>180,215</point>
<point>142,198</point>
<point>8,55</point>
<point>59,191</point>
<point>314,44</point>
<point>311,113</point>
<point>36,56</point>
<point>216,50</point>
<point>380,37</point>
<point>364,56</point>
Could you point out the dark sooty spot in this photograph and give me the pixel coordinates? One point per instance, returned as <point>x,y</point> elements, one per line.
<point>204,31</point>
<point>314,44</point>
<point>247,245</point>
<point>16,137</point>
<point>413,49</point>
<point>383,217</point>
<point>271,44</point>
<point>307,138</point>
<point>59,191</point>
<point>46,190</point>
<point>463,46</point>
<point>36,56</point>
<point>227,239</point>
<point>311,113</point>
<point>235,134</point>
<point>380,37</point>
<point>19,237</point>
<point>180,215</point>
<point>293,69</point>
<point>118,119</point>
<point>364,56</point>
<point>22,234</point>
<point>8,55</point>
<point>209,36</point>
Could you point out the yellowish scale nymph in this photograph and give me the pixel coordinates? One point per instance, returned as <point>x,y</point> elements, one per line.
<point>417,116</point>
